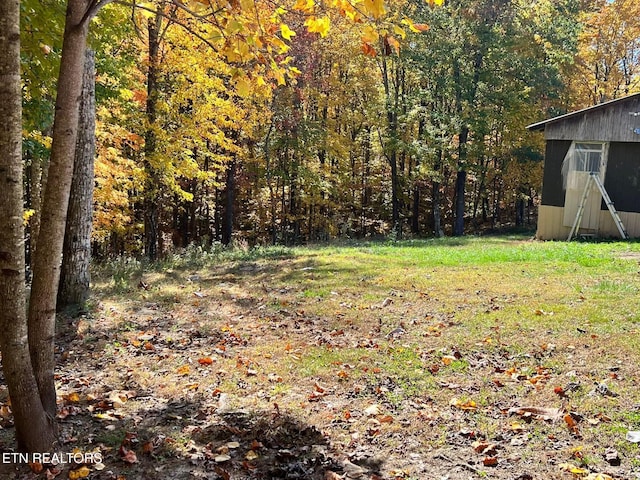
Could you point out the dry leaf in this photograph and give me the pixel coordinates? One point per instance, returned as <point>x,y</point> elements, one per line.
<point>128,456</point>
<point>372,410</point>
<point>183,370</point>
<point>553,414</point>
<point>559,391</point>
<point>72,397</point>
<point>571,424</point>
<point>205,361</point>
<point>222,458</point>
<point>463,405</point>
<point>329,475</point>
<point>82,472</point>
<point>490,461</point>
<point>598,476</point>
<point>570,467</point>
<point>251,455</point>
<point>448,359</point>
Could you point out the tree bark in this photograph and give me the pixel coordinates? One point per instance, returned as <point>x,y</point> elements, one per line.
<point>152,188</point>
<point>35,431</point>
<point>229,201</point>
<point>42,305</point>
<point>461,180</point>
<point>75,276</point>
<point>436,200</point>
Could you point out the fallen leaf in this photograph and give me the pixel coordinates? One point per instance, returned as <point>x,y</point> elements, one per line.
<point>559,391</point>
<point>329,475</point>
<point>570,467</point>
<point>553,414</point>
<point>490,461</point>
<point>480,446</point>
<point>36,467</point>
<point>251,455</point>
<point>82,472</point>
<point>448,359</point>
<point>128,456</point>
<point>72,397</point>
<point>571,424</point>
<point>51,473</point>
<point>222,473</point>
<point>372,410</point>
<point>598,476</point>
<point>463,405</point>
<point>183,370</point>
<point>205,361</point>
<point>222,458</point>
<point>256,445</point>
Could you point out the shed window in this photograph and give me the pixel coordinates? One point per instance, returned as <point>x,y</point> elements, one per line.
<point>583,158</point>
<point>588,157</point>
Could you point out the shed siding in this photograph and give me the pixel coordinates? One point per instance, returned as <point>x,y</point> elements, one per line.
<point>552,191</point>
<point>550,224</point>
<point>615,123</point>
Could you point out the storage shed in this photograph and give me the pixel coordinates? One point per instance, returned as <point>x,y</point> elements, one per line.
<point>604,141</point>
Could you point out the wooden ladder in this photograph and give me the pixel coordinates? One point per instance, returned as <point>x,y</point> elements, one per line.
<point>595,178</point>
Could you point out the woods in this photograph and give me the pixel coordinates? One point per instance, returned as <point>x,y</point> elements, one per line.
<point>257,123</point>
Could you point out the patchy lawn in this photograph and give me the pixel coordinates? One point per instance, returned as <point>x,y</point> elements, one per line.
<point>445,359</point>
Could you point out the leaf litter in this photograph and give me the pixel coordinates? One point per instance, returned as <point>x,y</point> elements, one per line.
<point>211,386</point>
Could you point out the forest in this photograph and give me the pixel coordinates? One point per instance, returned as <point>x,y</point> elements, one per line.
<point>135,129</point>
<point>288,124</point>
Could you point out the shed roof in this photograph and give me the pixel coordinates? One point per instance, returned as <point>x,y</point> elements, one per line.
<point>541,125</point>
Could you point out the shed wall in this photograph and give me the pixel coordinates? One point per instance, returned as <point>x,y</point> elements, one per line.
<point>615,123</point>
<point>552,191</point>
<point>622,180</point>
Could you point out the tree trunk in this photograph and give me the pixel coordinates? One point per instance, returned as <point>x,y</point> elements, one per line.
<point>436,200</point>
<point>461,180</point>
<point>46,274</point>
<point>35,430</point>
<point>74,275</point>
<point>229,200</point>
<point>151,189</point>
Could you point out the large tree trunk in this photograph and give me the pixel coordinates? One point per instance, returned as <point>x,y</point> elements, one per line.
<point>35,431</point>
<point>152,234</point>
<point>75,276</point>
<point>48,255</point>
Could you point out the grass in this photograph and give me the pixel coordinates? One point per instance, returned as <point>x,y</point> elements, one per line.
<point>325,332</point>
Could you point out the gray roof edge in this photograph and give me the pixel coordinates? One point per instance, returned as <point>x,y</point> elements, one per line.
<point>540,125</point>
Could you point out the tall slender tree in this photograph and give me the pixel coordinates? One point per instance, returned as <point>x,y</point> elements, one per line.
<point>35,429</point>
<point>75,275</point>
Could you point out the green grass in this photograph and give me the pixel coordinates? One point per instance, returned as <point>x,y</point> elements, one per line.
<point>514,319</point>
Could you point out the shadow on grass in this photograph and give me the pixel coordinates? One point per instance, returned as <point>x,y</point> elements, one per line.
<point>187,440</point>
<point>238,444</point>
